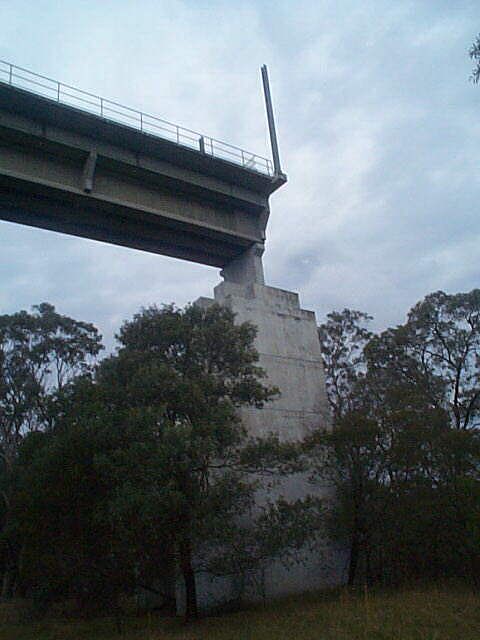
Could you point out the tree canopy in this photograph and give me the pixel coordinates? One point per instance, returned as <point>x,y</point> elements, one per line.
<point>404,454</point>
<point>148,470</point>
<point>41,353</point>
<point>135,474</point>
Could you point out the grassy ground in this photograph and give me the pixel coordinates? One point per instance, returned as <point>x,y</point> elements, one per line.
<point>427,613</point>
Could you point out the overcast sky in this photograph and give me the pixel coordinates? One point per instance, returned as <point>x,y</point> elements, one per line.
<point>379,133</point>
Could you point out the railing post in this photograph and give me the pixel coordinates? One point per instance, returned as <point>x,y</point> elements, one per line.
<point>10,75</point>
<point>178,134</point>
<point>201,143</point>
<point>141,121</point>
<point>101,107</point>
<point>243,158</point>
<point>58,91</point>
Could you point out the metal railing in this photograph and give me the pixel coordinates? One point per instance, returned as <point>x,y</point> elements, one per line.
<point>148,124</point>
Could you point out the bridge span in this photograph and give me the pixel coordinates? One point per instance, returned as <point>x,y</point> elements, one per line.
<point>79,164</point>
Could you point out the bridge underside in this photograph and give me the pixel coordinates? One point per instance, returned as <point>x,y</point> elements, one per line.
<point>73,172</point>
<point>74,214</point>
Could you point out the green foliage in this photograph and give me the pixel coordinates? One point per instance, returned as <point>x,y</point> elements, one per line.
<point>405,457</point>
<point>126,475</point>
<point>148,471</point>
<point>183,374</point>
<point>342,340</point>
<point>436,355</point>
<point>41,353</point>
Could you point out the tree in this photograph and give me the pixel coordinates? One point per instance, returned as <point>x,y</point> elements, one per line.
<point>342,340</point>
<point>436,353</point>
<point>59,499</point>
<point>187,372</point>
<point>474,54</point>
<point>423,380</point>
<point>403,455</point>
<point>349,459</point>
<point>151,452</point>
<point>40,353</point>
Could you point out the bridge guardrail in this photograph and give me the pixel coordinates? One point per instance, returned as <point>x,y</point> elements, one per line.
<point>110,110</point>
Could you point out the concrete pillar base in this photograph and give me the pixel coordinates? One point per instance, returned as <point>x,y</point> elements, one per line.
<point>289,352</point>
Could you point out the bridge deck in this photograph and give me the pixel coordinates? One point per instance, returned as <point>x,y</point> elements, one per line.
<point>71,171</point>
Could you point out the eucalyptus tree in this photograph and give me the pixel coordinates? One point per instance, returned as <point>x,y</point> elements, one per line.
<point>423,391</point>
<point>342,340</point>
<point>405,444</point>
<point>348,456</point>
<point>191,473</point>
<point>40,353</point>
<point>436,353</point>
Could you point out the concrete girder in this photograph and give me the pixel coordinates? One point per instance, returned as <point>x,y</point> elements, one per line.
<point>74,172</point>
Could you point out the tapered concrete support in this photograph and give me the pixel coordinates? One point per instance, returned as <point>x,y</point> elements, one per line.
<point>289,352</point>
<point>247,268</point>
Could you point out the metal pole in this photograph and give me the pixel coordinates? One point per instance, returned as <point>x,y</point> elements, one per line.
<point>271,121</point>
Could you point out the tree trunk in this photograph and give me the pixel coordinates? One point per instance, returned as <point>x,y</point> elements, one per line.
<point>191,610</point>
<point>354,553</point>
<point>368,564</point>
<point>8,583</point>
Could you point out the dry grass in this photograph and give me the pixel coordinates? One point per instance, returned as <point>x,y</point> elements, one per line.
<point>424,613</point>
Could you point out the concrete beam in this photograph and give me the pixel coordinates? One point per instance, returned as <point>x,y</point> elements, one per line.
<point>89,171</point>
<point>73,172</point>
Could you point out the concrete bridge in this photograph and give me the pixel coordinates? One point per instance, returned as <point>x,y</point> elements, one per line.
<point>107,172</point>
<point>188,196</point>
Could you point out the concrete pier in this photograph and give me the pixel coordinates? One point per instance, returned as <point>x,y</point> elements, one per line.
<point>289,352</point>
